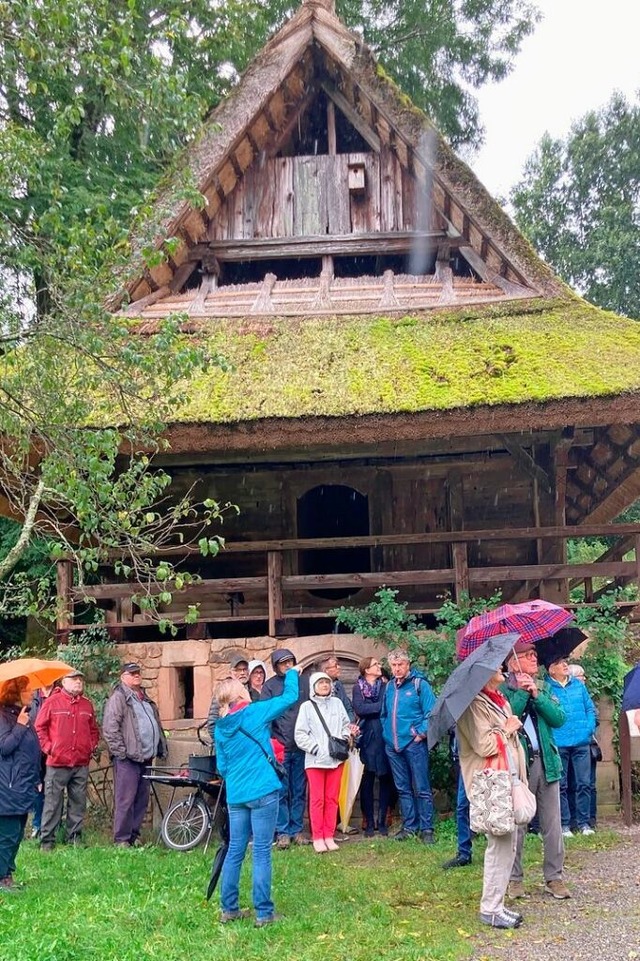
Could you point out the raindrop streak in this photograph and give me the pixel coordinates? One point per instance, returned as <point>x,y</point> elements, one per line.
<point>419,249</point>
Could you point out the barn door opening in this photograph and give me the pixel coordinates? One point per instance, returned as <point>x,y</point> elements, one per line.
<point>334,510</point>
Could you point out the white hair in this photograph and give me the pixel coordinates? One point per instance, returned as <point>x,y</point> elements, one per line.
<point>398,655</point>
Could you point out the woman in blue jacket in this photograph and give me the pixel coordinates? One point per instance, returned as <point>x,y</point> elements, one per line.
<point>246,762</point>
<point>19,773</point>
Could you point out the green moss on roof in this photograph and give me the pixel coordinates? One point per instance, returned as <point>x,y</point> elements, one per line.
<point>507,354</point>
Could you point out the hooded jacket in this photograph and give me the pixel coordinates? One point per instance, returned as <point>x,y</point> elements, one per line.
<point>547,715</point>
<point>67,729</point>
<point>580,713</point>
<point>310,735</point>
<point>253,665</point>
<point>247,773</point>
<point>405,710</point>
<point>19,764</point>
<point>283,727</point>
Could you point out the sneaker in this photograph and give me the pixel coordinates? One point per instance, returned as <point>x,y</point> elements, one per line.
<point>369,832</point>
<point>514,914</point>
<point>587,830</point>
<point>403,835</point>
<point>47,846</point>
<point>567,833</point>
<point>283,842</point>
<point>319,846</point>
<point>119,844</point>
<point>516,890</point>
<point>300,839</point>
<point>227,916</point>
<point>35,833</point>
<point>383,830</point>
<point>427,837</point>
<point>263,922</point>
<point>9,886</point>
<point>331,845</point>
<point>458,862</point>
<point>558,890</point>
<point>500,920</point>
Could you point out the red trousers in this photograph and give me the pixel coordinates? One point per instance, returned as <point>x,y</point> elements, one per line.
<point>324,789</point>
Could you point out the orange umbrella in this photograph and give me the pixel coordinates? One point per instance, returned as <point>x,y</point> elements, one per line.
<point>41,673</point>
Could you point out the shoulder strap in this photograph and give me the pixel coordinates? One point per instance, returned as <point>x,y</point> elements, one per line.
<point>255,740</point>
<point>322,720</point>
<point>416,683</point>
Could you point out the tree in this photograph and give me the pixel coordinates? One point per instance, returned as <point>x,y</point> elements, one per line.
<point>96,99</point>
<point>579,205</point>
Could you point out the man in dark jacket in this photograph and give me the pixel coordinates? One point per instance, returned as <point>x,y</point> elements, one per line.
<point>531,701</point>
<point>68,733</point>
<point>134,736</point>
<point>238,671</point>
<point>294,787</point>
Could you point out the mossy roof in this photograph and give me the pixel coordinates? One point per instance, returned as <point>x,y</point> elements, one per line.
<point>509,354</point>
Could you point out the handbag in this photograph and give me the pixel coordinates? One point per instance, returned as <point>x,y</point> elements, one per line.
<point>524,800</point>
<point>595,750</point>
<point>338,746</point>
<point>279,768</point>
<point>499,800</point>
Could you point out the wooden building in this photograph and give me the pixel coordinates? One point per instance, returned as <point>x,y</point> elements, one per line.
<point>413,398</point>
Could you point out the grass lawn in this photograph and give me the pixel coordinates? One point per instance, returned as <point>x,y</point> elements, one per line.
<point>370,901</point>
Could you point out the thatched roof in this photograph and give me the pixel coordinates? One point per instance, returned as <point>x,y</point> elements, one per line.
<point>248,122</point>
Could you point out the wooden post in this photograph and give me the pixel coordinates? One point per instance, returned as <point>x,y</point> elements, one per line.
<point>274,587</point>
<point>625,769</point>
<point>64,584</point>
<point>637,539</point>
<point>331,127</point>
<point>461,565</point>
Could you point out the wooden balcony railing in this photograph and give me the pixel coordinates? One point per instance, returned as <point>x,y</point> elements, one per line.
<point>277,596</point>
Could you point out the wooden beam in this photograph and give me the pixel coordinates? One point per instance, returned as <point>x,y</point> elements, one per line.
<point>353,117</point>
<point>259,248</point>
<point>274,579</point>
<point>331,127</point>
<point>526,462</point>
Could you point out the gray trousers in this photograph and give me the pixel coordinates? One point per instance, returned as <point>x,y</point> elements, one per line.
<point>498,860</point>
<point>548,801</point>
<point>58,779</point>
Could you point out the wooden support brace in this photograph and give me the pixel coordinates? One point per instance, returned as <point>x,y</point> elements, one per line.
<point>526,461</point>
<point>274,582</point>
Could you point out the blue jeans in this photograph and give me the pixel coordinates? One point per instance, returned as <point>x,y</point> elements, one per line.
<point>463,824</point>
<point>579,760</point>
<point>410,769</point>
<point>292,794</point>
<point>257,819</point>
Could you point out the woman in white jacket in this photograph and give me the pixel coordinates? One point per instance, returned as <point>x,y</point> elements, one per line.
<point>323,772</point>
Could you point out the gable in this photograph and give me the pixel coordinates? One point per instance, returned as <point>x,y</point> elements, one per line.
<point>259,187</point>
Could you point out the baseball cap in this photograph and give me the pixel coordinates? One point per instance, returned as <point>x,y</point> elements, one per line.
<point>131,668</point>
<point>239,659</point>
<point>74,674</point>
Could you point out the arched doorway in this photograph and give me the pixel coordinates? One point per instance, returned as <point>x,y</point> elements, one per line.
<point>334,510</point>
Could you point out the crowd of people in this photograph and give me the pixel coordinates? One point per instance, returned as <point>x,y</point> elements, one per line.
<point>281,743</point>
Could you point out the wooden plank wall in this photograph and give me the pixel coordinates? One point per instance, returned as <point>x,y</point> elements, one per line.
<point>309,196</point>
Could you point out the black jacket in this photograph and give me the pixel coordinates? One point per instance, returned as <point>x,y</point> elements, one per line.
<point>370,743</point>
<point>283,728</point>
<point>19,764</point>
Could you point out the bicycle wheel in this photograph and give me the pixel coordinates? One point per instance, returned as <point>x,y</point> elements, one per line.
<point>185,823</point>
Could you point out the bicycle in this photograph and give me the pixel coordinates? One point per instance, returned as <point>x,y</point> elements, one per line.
<point>187,821</point>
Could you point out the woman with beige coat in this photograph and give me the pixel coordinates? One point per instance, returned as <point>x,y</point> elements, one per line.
<point>483,730</point>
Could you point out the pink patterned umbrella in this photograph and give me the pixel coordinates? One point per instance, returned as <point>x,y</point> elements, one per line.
<point>532,620</point>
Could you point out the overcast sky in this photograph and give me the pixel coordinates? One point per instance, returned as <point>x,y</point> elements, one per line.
<point>580,53</point>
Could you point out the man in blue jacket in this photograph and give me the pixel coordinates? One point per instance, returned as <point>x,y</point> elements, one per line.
<point>573,741</point>
<point>407,703</point>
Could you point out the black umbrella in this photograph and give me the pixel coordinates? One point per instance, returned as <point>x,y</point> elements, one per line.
<point>465,682</point>
<point>221,853</point>
<point>560,644</point>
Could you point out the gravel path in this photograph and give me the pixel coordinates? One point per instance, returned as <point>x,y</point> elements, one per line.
<point>601,922</point>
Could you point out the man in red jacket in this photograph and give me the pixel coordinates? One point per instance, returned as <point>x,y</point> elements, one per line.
<point>68,732</point>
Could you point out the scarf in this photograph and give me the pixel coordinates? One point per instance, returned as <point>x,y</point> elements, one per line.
<point>498,699</point>
<point>371,692</point>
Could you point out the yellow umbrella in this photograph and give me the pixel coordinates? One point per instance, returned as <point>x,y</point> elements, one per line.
<point>349,785</point>
<point>41,673</point>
